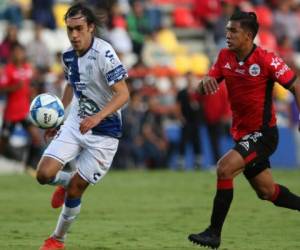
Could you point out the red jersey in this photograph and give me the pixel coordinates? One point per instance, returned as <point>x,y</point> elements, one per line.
<point>250,86</point>
<point>18,101</point>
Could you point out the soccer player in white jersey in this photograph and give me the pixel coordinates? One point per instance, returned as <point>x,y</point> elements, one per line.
<point>96,92</point>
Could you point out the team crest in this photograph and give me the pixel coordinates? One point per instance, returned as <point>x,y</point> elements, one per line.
<point>254,70</point>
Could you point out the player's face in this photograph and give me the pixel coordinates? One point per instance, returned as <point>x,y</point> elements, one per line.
<point>236,37</point>
<point>80,33</point>
<point>18,55</point>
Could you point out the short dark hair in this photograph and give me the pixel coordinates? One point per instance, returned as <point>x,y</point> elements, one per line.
<point>84,10</point>
<point>248,20</point>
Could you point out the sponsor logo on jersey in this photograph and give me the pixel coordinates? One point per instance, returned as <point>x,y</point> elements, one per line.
<point>70,59</point>
<point>282,71</point>
<point>240,71</point>
<point>116,74</point>
<point>227,66</point>
<point>91,57</point>
<point>110,55</point>
<point>254,70</point>
<point>276,61</point>
<point>245,145</point>
<point>80,86</point>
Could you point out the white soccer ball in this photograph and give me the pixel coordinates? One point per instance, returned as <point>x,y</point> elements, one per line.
<point>46,111</point>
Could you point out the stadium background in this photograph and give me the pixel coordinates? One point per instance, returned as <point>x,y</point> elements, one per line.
<point>159,41</point>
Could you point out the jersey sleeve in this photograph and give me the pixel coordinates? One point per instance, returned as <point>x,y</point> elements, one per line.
<point>279,71</point>
<point>111,66</point>
<point>216,70</point>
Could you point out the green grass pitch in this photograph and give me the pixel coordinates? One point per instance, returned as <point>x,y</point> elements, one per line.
<point>147,210</point>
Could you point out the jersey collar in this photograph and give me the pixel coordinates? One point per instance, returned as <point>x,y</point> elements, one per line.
<point>241,62</point>
<point>84,53</point>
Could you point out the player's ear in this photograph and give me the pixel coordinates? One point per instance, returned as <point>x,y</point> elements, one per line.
<point>91,27</point>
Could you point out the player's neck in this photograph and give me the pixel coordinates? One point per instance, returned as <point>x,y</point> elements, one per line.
<point>82,52</point>
<point>244,52</point>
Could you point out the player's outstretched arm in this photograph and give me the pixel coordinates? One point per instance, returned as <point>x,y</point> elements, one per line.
<point>67,95</point>
<point>120,97</point>
<point>208,85</point>
<point>295,89</point>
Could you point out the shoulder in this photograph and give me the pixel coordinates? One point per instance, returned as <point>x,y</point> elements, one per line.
<point>265,55</point>
<point>101,46</point>
<point>224,54</point>
<point>68,55</point>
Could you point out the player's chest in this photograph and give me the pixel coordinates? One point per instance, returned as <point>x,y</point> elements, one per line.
<point>250,72</point>
<point>21,74</point>
<point>83,73</point>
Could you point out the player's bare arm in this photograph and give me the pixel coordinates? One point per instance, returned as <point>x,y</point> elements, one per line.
<point>295,89</point>
<point>67,95</point>
<point>208,85</point>
<point>121,96</point>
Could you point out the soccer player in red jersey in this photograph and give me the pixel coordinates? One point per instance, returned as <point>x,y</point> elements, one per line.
<point>15,84</point>
<point>249,73</point>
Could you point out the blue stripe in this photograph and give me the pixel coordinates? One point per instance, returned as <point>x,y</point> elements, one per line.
<point>71,203</point>
<point>71,61</point>
<point>111,126</point>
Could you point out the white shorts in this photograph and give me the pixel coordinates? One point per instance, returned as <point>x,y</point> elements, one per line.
<point>93,154</point>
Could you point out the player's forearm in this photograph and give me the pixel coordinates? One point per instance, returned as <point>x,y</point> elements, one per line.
<point>119,99</point>
<point>67,95</point>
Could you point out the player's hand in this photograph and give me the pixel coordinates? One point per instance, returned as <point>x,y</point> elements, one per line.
<point>88,123</point>
<point>50,133</point>
<point>208,85</point>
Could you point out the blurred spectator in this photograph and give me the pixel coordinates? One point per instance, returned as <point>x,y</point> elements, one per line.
<point>228,7</point>
<point>13,13</point>
<point>217,122</point>
<point>154,140</point>
<point>138,26</point>
<point>10,38</point>
<point>37,50</point>
<point>130,153</point>
<point>15,83</point>
<point>154,54</point>
<point>117,32</point>
<point>189,112</point>
<point>207,12</point>
<point>42,13</point>
<point>286,22</point>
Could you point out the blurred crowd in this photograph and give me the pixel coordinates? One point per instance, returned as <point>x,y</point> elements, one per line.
<point>167,46</point>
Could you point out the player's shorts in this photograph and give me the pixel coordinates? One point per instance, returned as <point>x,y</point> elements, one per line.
<point>93,154</point>
<point>256,148</point>
<point>9,126</point>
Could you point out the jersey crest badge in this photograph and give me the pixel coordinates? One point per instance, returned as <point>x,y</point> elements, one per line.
<point>254,70</point>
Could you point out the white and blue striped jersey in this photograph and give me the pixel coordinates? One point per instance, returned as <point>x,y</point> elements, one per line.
<point>91,76</point>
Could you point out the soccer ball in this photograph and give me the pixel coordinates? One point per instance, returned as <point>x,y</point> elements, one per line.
<point>46,111</point>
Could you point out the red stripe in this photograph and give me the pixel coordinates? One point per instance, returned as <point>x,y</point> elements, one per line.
<point>250,157</point>
<point>225,184</point>
<point>276,192</point>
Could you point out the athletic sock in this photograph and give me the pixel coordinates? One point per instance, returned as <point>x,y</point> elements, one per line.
<point>68,214</point>
<point>284,198</point>
<point>222,201</point>
<point>62,178</point>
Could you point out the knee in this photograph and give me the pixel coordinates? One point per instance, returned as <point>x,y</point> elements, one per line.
<point>223,170</point>
<point>44,177</point>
